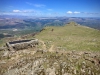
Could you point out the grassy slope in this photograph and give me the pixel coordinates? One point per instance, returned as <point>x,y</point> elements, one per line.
<point>71,37</point>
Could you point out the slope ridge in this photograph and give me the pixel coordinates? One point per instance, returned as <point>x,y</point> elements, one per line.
<point>71,37</point>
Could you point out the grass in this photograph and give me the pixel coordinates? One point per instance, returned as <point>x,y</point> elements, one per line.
<point>1,42</point>
<point>71,37</point>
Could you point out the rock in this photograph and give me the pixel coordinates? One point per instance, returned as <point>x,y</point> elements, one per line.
<point>67,74</point>
<point>2,62</point>
<point>50,71</point>
<point>6,53</point>
<point>84,62</point>
<point>2,48</point>
<point>74,71</point>
<point>83,70</point>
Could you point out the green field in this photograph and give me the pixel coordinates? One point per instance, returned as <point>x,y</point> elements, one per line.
<point>71,37</point>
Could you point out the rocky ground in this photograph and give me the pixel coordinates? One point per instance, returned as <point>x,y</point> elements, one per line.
<point>43,62</point>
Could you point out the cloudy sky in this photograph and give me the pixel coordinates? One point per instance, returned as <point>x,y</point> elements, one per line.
<point>51,8</point>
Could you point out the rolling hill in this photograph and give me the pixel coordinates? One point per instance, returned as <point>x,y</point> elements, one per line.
<point>71,37</point>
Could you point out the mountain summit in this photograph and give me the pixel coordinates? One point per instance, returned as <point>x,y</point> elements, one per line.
<point>72,36</point>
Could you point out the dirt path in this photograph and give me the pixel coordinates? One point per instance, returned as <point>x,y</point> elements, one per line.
<point>51,48</point>
<point>44,46</point>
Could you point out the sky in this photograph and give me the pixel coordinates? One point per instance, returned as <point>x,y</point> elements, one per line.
<point>51,8</point>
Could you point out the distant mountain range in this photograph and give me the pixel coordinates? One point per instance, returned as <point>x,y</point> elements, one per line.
<point>25,22</point>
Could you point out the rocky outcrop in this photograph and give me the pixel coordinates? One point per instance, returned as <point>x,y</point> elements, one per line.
<point>52,63</point>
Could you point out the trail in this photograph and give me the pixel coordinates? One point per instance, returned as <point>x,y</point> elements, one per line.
<point>44,46</point>
<point>51,48</point>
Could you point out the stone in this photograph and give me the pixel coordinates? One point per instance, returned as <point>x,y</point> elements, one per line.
<point>22,44</point>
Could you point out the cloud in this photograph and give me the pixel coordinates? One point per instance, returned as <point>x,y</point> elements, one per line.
<point>90,13</point>
<point>39,5</point>
<point>56,13</point>
<point>69,12</point>
<point>76,12</point>
<point>16,11</point>
<point>36,5</point>
<point>24,11</point>
<point>29,3</point>
<point>50,9</point>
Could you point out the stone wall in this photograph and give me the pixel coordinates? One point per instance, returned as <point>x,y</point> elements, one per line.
<point>21,44</point>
